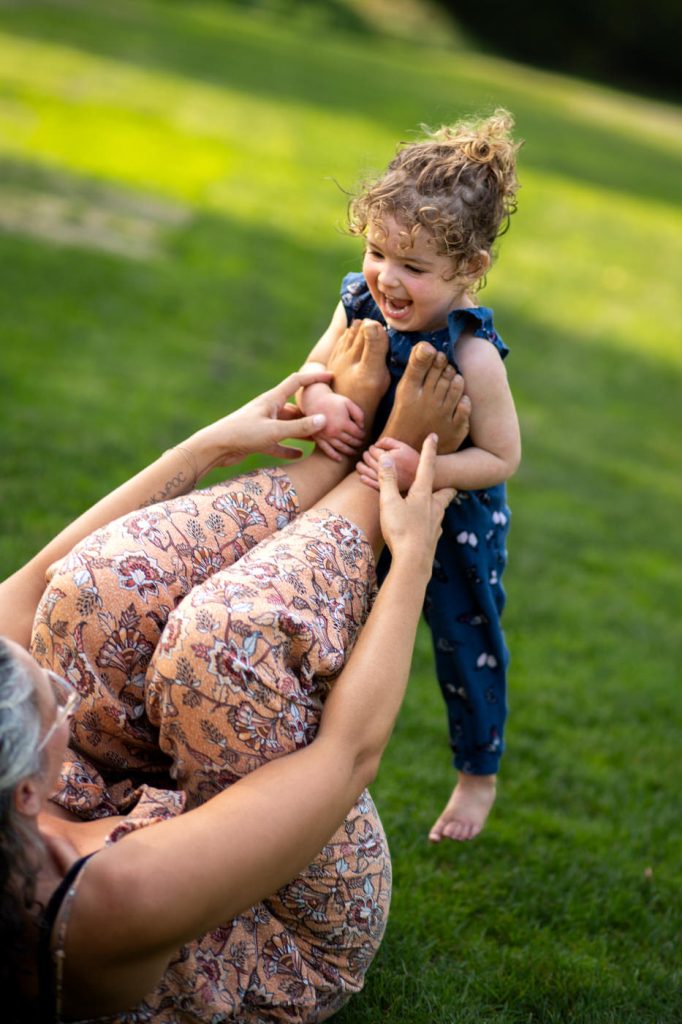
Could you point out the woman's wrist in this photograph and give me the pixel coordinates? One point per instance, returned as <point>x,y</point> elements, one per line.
<point>190,459</point>
<point>203,453</point>
<point>175,472</point>
<point>411,566</point>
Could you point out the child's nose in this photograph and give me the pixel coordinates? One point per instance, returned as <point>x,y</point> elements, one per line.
<point>388,276</point>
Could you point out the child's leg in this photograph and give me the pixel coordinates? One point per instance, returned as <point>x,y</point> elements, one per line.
<point>471,801</point>
<point>463,607</point>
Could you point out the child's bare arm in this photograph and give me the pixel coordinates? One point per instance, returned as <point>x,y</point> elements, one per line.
<point>322,349</point>
<point>344,430</point>
<point>494,426</point>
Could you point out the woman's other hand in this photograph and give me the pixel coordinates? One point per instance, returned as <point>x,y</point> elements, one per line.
<point>259,426</point>
<point>411,525</point>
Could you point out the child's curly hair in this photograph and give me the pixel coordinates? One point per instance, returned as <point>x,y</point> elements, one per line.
<point>459,183</point>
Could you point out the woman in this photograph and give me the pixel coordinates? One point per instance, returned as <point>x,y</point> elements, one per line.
<point>151,917</point>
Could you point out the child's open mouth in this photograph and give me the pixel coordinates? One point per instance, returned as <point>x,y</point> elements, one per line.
<point>396,307</point>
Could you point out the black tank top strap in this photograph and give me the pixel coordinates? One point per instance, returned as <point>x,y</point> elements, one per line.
<point>47,981</point>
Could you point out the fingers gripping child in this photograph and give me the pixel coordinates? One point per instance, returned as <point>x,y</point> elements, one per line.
<point>429,224</point>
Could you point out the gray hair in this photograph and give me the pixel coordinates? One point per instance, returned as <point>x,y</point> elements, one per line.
<point>20,849</point>
<point>20,722</point>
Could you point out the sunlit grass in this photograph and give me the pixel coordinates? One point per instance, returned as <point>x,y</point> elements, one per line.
<point>271,160</point>
<point>593,264</point>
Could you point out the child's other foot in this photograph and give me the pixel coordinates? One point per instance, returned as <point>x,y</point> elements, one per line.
<point>358,362</point>
<point>467,810</point>
<point>429,398</point>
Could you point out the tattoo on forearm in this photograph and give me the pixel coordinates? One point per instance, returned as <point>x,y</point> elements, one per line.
<point>178,484</point>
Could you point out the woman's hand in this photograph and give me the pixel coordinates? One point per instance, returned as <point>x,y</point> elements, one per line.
<point>411,525</point>
<point>259,426</point>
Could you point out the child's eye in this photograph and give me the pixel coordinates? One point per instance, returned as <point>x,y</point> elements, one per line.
<point>414,270</point>
<point>374,253</point>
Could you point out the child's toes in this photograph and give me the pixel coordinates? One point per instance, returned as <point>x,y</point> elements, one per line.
<point>457,830</point>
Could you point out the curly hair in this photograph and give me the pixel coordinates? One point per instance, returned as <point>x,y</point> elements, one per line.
<point>459,183</point>
<point>20,726</point>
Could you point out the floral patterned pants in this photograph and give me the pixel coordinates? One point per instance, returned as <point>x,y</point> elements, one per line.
<point>203,634</point>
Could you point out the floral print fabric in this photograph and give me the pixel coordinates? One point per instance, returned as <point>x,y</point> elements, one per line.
<point>204,634</point>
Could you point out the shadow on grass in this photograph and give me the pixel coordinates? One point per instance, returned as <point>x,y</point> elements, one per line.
<point>253,56</point>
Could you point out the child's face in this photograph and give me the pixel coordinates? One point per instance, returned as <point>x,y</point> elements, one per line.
<point>409,282</point>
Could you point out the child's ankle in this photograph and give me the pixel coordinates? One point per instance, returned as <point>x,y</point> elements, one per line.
<point>477,781</point>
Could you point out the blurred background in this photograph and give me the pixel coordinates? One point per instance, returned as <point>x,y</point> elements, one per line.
<point>173,187</point>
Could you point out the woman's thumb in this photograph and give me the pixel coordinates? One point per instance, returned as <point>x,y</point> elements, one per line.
<point>387,473</point>
<point>305,427</point>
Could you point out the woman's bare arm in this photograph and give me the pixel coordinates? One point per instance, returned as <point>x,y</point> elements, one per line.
<point>258,426</point>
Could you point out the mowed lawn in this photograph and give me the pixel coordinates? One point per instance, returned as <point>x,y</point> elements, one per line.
<point>171,243</point>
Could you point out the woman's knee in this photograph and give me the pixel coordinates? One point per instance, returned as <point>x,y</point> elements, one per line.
<point>215,692</point>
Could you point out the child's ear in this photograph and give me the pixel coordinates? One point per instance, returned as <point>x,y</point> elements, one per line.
<point>478,265</point>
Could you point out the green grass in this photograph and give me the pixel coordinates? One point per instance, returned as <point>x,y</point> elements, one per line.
<point>170,244</point>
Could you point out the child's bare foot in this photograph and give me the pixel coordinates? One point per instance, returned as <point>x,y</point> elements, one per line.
<point>467,810</point>
<point>429,398</point>
<point>358,362</point>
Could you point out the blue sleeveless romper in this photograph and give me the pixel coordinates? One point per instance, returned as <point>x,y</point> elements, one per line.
<point>464,597</point>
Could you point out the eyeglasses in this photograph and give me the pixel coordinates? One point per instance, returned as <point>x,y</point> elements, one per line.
<point>68,699</point>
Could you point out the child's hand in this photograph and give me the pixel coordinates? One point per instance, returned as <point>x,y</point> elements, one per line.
<point>344,432</point>
<point>405,460</point>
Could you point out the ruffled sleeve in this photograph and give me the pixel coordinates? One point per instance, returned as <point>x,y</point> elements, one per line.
<point>357,299</point>
<point>477,321</point>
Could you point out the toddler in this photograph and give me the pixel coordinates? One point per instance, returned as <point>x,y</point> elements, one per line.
<point>429,224</point>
